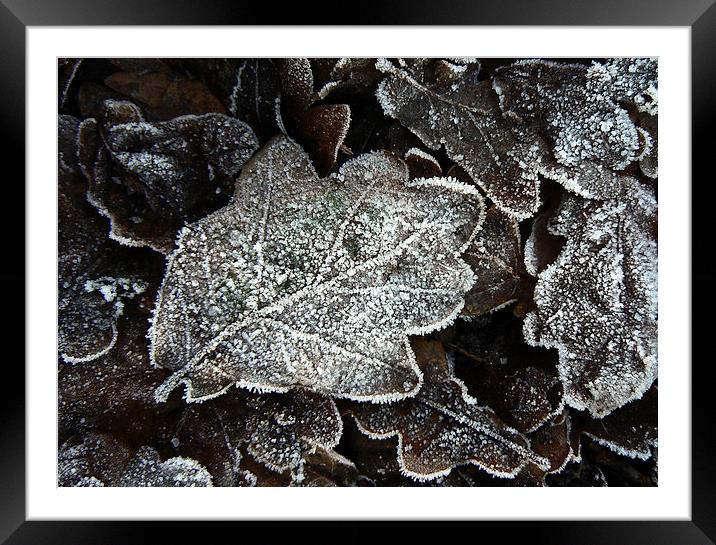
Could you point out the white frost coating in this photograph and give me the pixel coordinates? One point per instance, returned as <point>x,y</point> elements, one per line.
<point>417,152</point>
<point>314,283</point>
<point>597,304</point>
<point>619,449</point>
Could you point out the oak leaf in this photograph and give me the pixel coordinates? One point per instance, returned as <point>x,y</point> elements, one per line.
<point>315,282</point>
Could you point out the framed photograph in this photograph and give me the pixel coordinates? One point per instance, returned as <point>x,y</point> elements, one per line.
<point>418,267</point>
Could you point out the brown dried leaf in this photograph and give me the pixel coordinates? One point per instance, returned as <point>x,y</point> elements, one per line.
<point>442,427</point>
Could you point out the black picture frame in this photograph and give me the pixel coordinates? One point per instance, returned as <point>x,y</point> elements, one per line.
<point>16,15</point>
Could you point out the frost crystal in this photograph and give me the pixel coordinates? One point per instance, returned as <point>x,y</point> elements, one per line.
<point>442,426</point>
<point>597,304</point>
<point>149,178</point>
<point>310,282</point>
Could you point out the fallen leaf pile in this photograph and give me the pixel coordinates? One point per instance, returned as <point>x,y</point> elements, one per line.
<point>357,272</point>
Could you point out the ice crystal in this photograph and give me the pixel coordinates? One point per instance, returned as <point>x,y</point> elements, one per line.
<point>149,178</point>
<point>311,282</point>
<point>597,304</point>
<point>442,426</point>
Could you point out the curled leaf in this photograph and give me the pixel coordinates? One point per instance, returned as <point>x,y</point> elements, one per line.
<point>321,128</point>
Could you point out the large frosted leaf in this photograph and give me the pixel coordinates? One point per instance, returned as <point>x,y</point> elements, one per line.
<point>442,426</point>
<point>311,282</point>
<point>597,304</point>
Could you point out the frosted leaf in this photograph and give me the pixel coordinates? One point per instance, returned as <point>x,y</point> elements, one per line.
<point>115,392</point>
<point>597,304</point>
<point>283,428</point>
<point>90,460</point>
<point>590,134</point>
<point>442,426</point>
<point>94,282</point>
<point>101,460</point>
<point>443,103</point>
<point>146,468</point>
<point>163,93</point>
<point>627,80</point>
<point>320,128</point>
<point>248,88</point>
<point>254,95</point>
<point>351,76</point>
<point>631,430</point>
<point>149,178</point>
<point>315,283</point>
<point>496,260</point>
<point>277,431</point>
